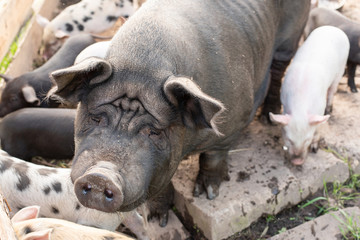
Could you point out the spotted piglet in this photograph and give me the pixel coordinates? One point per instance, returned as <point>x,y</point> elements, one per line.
<point>25,184</point>
<point>308,89</point>
<point>89,16</point>
<point>28,226</point>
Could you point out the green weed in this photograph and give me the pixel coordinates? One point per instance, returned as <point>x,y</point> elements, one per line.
<point>5,62</point>
<point>350,228</point>
<point>270,218</point>
<point>340,193</point>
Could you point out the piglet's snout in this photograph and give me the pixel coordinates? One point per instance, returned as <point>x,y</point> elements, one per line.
<point>97,189</point>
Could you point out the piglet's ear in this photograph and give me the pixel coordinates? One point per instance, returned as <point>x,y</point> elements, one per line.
<point>318,119</point>
<point>42,21</point>
<point>39,235</point>
<point>73,81</point>
<point>6,78</point>
<point>30,95</point>
<point>61,34</point>
<point>26,213</point>
<point>283,119</point>
<point>197,109</point>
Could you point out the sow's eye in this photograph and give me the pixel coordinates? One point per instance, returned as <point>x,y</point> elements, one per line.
<point>156,135</point>
<point>98,120</point>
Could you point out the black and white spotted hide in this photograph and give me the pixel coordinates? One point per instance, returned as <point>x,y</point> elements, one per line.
<point>25,184</point>
<point>89,16</point>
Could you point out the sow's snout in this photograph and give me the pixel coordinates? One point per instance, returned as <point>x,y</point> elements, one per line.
<point>100,188</point>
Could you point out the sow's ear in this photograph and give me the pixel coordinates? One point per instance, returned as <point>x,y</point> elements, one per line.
<point>197,108</point>
<point>26,213</point>
<point>73,81</point>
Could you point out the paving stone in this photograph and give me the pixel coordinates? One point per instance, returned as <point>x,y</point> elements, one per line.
<point>262,182</point>
<point>328,226</point>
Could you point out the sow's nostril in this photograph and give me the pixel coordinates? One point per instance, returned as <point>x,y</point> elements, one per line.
<point>97,191</point>
<point>109,194</point>
<point>86,188</point>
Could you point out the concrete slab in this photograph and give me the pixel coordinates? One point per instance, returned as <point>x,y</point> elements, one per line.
<point>262,182</point>
<point>328,226</point>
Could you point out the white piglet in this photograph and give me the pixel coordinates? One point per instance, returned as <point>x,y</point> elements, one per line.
<point>87,16</point>
<point>308,89</point>
<point>25,184</point>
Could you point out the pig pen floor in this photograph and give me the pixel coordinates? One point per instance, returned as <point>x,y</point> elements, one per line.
<point>262,182</point>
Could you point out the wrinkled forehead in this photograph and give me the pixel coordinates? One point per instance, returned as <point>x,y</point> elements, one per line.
<point>130,88</point>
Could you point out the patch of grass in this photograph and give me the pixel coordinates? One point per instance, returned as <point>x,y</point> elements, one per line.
<point>270,218</point>
<point>341,192</point>
<point>350,228</point>
<point>320,203</point>
<point>5,62</point>
<point>282,230</point>
<point>195,227</point>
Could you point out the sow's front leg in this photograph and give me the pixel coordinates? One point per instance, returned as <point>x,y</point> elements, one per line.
<point>213,170</point>
<point>351,69</point>
<point>293,19</point>
<point>272,101</point>
<point>160,205</point>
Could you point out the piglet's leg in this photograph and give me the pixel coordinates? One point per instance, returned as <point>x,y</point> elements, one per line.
<point>213,170</point>
<point>314,146</point>
<point>331,92</point>
<point>136,224</point>
<point>351,68</point>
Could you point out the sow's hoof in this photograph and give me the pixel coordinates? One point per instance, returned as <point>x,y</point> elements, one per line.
<point>210,184</point>
<point>265,119</point>
<point>264,116</point>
